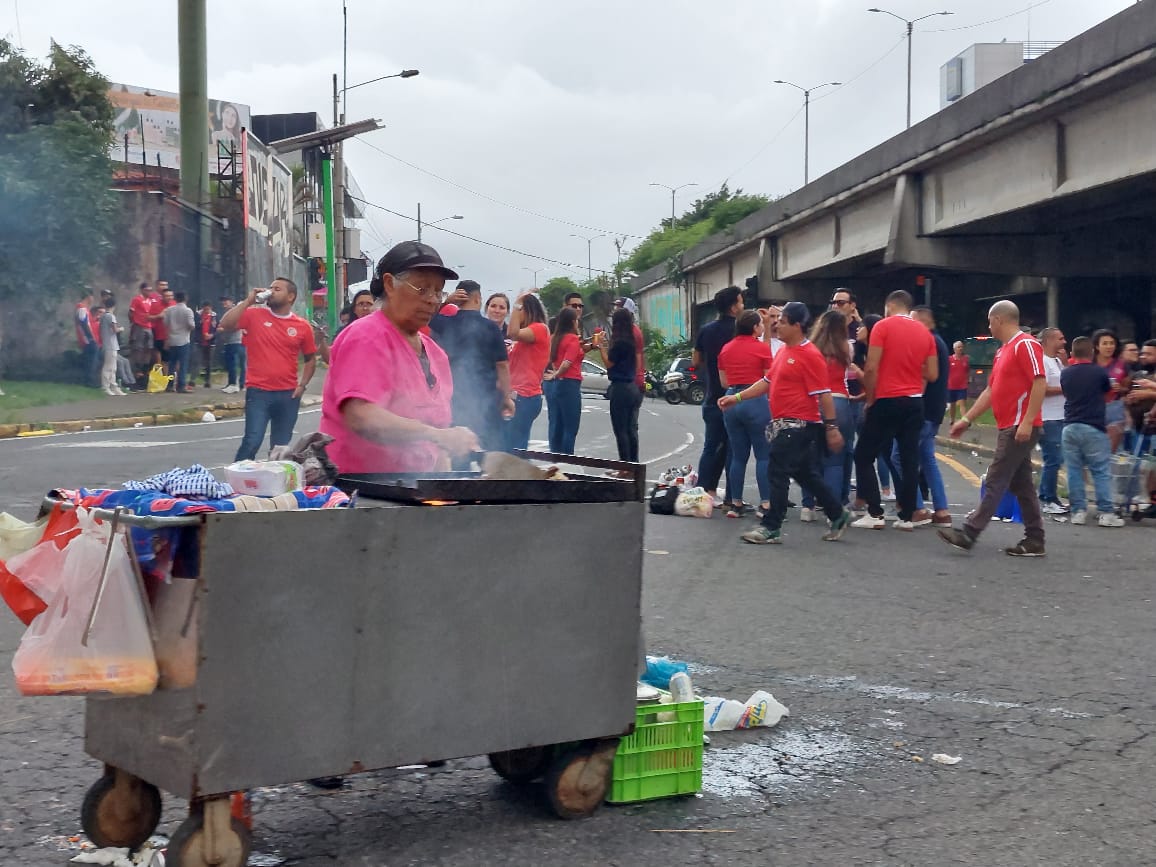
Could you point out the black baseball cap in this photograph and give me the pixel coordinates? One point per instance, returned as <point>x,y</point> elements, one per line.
<point>796,313</point>
<point>409,255</point>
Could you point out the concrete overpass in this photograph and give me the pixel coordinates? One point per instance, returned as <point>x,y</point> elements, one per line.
<point>1041,184</point>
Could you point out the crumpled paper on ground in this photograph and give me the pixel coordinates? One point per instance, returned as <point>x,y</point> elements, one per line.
<point>149,855</point>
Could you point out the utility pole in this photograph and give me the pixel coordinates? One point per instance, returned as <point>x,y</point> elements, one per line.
<point>338,277</point>
<point>910,29</point>
<point>673,190</point>
<point>419,221</point>
<point>807,121</point>
<point>192,42</point>
<point>589,244</point>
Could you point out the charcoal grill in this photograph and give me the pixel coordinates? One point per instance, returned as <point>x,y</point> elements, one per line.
<point>469,486</point>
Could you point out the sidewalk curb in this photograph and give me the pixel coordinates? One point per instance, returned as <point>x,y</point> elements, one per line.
<point>155,419</point>
<point>980,449</point>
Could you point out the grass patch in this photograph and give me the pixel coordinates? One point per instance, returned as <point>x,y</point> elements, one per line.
<point>22,395</point>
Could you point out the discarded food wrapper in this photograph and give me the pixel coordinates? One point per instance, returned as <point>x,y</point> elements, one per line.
<point>151,854</point>
<point>208,416</point>
<point>139,424</point>
<point>761,710</point>
<point>945,759</point>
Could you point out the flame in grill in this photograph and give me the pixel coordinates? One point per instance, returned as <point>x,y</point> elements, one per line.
<point>439,502</point>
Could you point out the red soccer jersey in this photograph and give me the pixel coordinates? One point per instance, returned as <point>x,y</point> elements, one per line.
<point>958,370</point>
<point>157,305</point>
<point>570,349</point>
<point>528,362</point>
<point>906,345</point>
<point>1018,364</point>
<point>837,376</point>
<point>744,360</point>
<point>798,376</point>
<point>273,345</point>
<point>138,311</point>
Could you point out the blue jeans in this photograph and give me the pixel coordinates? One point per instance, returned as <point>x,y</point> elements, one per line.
<point>265,409</point>
<point>1052,445</point>
<point>1086,446</point>
<point>235,363</point>
<point>929,466</point>
<point>746,425</point>
<point>91,360</point>
<point>564,404</point>
<point>526,410</point>
<point>836,467</point>
<point>179,364</point>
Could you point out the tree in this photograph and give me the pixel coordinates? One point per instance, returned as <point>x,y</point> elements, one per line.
<point>59,215</point>
<point>554,290</point>
<point>710,214</point>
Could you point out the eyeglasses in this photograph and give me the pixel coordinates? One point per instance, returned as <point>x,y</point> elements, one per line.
<point>575,306</point>
<point>424,294</point>
<point>835,303</point>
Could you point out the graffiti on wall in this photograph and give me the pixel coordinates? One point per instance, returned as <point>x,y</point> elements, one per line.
<point>663,311</point>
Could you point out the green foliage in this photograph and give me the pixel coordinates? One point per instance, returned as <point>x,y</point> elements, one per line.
<point>659,351</point>
<point>708,215</point>
<point>59,215</point>
<point>554,290</point>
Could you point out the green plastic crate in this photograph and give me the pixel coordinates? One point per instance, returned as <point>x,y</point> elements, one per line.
<point>661,759</point>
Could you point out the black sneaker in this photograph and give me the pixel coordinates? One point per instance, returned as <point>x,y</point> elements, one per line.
<point>957,538</point>
<point>1025,548</point>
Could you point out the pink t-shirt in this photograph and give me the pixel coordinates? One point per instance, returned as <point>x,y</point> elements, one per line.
<point>371,360</point>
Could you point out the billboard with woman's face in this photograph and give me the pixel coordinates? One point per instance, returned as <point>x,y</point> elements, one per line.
<point>148,126</point>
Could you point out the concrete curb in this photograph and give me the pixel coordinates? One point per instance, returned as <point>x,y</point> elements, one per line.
<point>189,415</point>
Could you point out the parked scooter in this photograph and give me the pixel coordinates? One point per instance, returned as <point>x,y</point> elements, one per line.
<point>654,386</point>
<point>682,383</point>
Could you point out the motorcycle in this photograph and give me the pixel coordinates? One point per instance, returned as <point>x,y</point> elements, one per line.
<point>654,386</point>
<point>682,383</point>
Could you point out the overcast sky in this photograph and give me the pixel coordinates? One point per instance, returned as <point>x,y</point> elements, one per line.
<point>565,109</point>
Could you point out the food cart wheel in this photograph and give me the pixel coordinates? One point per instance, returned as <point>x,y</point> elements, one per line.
<point>190,847</point>
<point>120,810</point>
<point>522,766</point>
<point>578,780</point>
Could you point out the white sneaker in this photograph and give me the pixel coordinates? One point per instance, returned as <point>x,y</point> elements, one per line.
<point>888,495</point>
<point>1053,509</point>
<point>868,522</point>
<point>110,392</point>
<point>807,516</point>
<point>1109,520</point>
<point>118,391</point>
<point>900,524</point>
<point>230,389</point>
<point>1079,518</point>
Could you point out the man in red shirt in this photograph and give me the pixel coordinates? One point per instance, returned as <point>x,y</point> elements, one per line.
<point>958,374</point>
<point>140,339</point>
<point>1015,392</point>
<point>901,359</point>
<point>161,301</point>
<point>804,417</point>
<point>275,338</point>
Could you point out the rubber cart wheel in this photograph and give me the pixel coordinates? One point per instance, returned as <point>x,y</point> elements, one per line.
<point>578,780</point>
<point>187,845</point>
<point>120,810</point>
<point>522,766</point>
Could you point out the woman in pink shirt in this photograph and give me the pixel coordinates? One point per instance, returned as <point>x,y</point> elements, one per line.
<point>387,395</point>
<point>564,391</point>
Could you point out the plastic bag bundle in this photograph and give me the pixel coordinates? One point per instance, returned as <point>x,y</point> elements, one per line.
<point>53,658</point>
<point>694,503</point>
<point>158,379</point>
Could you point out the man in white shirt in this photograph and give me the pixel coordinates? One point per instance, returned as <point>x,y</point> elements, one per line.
<point>1052,412</point>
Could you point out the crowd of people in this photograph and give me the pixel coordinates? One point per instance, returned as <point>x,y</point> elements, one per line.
<point>851,404</point>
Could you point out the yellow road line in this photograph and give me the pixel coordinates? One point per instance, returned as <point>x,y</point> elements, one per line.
<point>968,475</point>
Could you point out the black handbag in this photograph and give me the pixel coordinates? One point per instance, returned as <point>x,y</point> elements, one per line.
<point>662,499</point>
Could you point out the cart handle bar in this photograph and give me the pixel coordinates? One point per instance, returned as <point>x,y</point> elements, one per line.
<point>146,522</point>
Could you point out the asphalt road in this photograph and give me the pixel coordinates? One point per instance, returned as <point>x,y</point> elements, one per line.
<point>887,647</point>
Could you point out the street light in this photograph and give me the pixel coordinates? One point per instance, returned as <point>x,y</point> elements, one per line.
<point>673,190</point>
<point>910,27</point>
<point>433,222</point>
<point>533,271</point>
<point>589,242</point>
<point>807,121</point>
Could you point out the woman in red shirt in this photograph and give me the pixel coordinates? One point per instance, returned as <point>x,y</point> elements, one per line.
<point>829,335</point>
<point>742,362</point>
<point>564,378</point>
<point>1107,347</point>
<point>529,352</point>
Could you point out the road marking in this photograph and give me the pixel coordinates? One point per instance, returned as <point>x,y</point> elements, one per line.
<point>114,444</point>
<point>968,475</point>
<point>682,448</point>
<point>149,427</point>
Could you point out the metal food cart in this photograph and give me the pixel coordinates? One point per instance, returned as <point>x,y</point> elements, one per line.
<point>331,642</point>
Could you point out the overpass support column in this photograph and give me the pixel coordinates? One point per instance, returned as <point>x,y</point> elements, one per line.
<point>1053,302</point>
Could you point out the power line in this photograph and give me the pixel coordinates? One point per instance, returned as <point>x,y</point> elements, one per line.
<point>863,71</point>
<point>489,198</point>
<point>990,21</point>
<point>759,152</point>
<point>19,33</point>
<point>496,246</point>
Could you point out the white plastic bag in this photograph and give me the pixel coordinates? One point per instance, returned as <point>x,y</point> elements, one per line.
<point>761,710</point>
<point>694,503</point>
<point>118,659</point>
<point>18,536</point>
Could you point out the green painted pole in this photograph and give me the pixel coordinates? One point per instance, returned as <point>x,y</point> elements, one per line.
<point>192,43</point>
<point>331,280</point>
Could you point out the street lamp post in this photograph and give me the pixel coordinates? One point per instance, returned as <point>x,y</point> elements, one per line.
<point>589,243</point>
<point>673,190</point>
<point>432,222</point>
<point>807,121</point>
<point>533,271</point>
<point>910,29</point>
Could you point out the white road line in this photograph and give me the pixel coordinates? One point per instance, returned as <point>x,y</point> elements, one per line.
<point>147,427</point>
<point>682,448</point>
